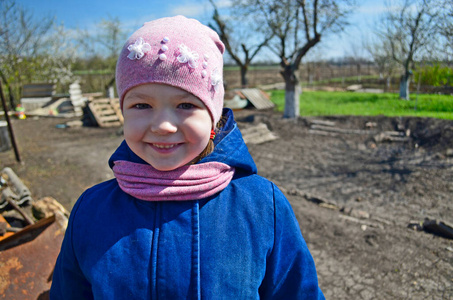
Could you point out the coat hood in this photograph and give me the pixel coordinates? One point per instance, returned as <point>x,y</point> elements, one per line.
<point>229,149</point>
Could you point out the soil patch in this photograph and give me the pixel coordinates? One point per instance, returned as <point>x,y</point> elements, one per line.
<point>354,193</point>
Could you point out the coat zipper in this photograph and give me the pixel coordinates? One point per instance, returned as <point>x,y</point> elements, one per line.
<point>154,245</point>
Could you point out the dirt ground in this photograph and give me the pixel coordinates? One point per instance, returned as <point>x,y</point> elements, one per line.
<point>354,193</point>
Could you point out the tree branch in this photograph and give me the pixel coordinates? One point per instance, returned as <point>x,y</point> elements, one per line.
<point>304,13</point>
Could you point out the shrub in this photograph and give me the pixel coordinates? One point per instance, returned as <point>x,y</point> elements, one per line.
<point>434,75</point>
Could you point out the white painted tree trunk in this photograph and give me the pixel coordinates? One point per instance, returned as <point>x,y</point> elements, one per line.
<point>292,98</point>
<point>404,87</point>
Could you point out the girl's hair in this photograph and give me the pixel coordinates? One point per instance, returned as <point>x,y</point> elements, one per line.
<point>208,150</point>
<point>210,146</point>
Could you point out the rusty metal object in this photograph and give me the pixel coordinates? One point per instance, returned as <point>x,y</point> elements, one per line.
<point>8,227</point>
<point>27,259</point>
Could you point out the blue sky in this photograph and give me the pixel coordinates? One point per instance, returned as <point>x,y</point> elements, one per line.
<point>85,14</point>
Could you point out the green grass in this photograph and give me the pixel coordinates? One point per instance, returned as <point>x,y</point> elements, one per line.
<point>367,104</point>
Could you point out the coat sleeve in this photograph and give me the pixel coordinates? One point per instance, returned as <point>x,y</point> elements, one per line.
<point>290,269</point>
<point>68,281</point>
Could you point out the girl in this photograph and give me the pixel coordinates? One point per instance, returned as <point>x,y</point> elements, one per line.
<point>186,217</point>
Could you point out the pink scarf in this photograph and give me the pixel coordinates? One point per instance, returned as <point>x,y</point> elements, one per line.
<point>190,182</point>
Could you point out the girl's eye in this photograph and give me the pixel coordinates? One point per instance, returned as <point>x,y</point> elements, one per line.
<point>142,106</point>
<point>186,105</point>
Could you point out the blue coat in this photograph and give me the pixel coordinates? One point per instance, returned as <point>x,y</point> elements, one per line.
<point>243,243</point>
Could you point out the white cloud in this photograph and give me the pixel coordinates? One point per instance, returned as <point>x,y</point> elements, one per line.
<point>199,8</point>
<point>223,3</point>
<point>189,9</point>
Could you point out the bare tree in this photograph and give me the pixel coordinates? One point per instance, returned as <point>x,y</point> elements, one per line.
<point>356,57</point>
<point>106,43</point>
<point>111,37</point>
<point>381,53</point>
<point>240,49</point>
<point>298,26</point>
<point>408,30</point>
<point>21,40</point>
<point>444,25</point>
<point>58,54</point>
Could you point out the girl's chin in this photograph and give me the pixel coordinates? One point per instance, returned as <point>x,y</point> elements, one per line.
<point>162,165</point>
<point>166,168</point>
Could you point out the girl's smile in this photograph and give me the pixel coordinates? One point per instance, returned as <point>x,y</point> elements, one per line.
<point>164,125</point>
<point>160,146</point>
<point>165,148</point>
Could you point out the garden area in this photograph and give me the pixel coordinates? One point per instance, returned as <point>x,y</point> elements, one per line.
<point>364,188</point>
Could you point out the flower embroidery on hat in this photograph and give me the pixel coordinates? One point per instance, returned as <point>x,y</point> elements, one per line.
<point>138,49</point>
<point>216,79</point>
<point>187,56</point>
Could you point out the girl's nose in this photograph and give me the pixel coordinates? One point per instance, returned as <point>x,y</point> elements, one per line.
<point>163,123</point>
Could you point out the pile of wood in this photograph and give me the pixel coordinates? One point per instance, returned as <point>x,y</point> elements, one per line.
<point>329,128</point>
<point>258,134</point>
<point>106,112</point>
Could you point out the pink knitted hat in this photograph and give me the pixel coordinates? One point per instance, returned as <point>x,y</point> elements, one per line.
<point>176,51</point>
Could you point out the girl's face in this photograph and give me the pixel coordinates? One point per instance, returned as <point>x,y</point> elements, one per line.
<point>165,126</point>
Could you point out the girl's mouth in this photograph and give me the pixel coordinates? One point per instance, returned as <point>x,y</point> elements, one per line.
<point>160,146</point>
<point>164,148</point>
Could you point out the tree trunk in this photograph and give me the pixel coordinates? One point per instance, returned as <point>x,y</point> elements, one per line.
<point>244,79</point>
<point>388,84</point>
<point>359,75</point>
<point>292,93</point>
<point>404,86</point>
<point>10,91</point>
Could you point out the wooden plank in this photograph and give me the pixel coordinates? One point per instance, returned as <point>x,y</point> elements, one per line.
<point>258,134</point>
<point>101,101</point>
<point>112,124</point>
<point>116,106</point>
<point>39,86</point>
<point>38,90</point>
<point>110,118</point>
<point>106,113</point>
<point>257,98</point>
<point>105,108</point>
<point>340,130</point>
<point>322,122</point>
<point>36,94</point>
